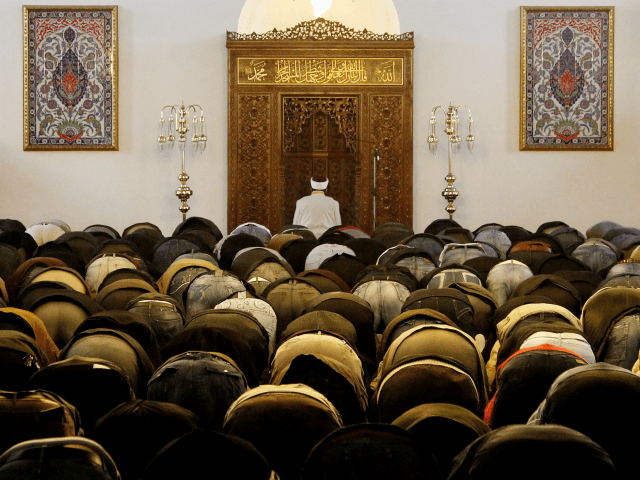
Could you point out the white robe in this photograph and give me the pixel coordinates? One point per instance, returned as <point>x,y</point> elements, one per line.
<point>317,212</point>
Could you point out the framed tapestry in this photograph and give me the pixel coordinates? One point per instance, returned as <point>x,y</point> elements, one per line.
<point>70,77</point>
<point>566,78</point>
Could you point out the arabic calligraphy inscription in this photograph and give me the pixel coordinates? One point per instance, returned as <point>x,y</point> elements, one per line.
<point>321,71</point>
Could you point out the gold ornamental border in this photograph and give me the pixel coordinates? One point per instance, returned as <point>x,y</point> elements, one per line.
<point>319,30</point>
<point>113,51</point>
<point>333,71</point>
<point>524,11</point>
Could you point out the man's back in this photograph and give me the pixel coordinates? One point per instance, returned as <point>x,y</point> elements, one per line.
<point>317,212</point>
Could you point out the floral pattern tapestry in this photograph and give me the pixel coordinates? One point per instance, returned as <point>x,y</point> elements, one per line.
<point>567,78</point>
<point>70,78</point>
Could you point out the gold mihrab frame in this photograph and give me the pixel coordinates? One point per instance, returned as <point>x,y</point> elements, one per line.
<point>360,80</point>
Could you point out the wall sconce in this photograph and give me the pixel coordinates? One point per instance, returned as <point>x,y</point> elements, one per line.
<point>451,129</point>
<point>179,120</point>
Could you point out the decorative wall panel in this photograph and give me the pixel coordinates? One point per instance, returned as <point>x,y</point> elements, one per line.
<point>297,111</point>
<point>254,147</point>
<point>387,132</point>
<point>566,78</point>
<point>70,78</point>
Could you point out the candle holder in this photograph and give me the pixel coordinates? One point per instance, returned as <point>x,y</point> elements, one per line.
<point>450,193</point>
<point>180,117</point>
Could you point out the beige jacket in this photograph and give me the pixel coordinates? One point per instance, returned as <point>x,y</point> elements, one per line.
<point>165,281</point>
<point>510,321</point>
<point>332,351</point>
<point>43,339</point>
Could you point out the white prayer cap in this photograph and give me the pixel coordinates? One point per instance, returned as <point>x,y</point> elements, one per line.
<point>319,182</point>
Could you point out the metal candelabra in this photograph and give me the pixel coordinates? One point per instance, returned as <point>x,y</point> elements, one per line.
<point>451,129</point>
<point>180,117</point>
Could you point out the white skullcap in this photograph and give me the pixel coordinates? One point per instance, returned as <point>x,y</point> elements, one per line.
<point>318,182</point>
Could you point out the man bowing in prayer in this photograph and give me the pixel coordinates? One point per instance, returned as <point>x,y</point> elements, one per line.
<point>317,212</point>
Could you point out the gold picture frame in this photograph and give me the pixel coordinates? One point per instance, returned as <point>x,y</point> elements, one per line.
<point>566,78</point>
<point>70,77</point>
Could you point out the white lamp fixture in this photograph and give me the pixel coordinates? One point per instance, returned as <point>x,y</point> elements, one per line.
<point>320,7</point>
<point>262,16</point>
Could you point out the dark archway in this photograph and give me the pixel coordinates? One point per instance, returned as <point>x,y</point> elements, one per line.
<point>320,138</point>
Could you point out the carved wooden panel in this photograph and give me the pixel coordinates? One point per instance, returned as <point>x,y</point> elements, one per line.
<point>346,180</point>
<point>386,116</point>
<point>297,111</point>
<point>344,172</point>
<point>254,148</point>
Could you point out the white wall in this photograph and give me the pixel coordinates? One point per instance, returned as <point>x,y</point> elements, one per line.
<point>467,51</point>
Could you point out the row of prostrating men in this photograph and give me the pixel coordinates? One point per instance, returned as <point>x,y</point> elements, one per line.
<point>421,330</point>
